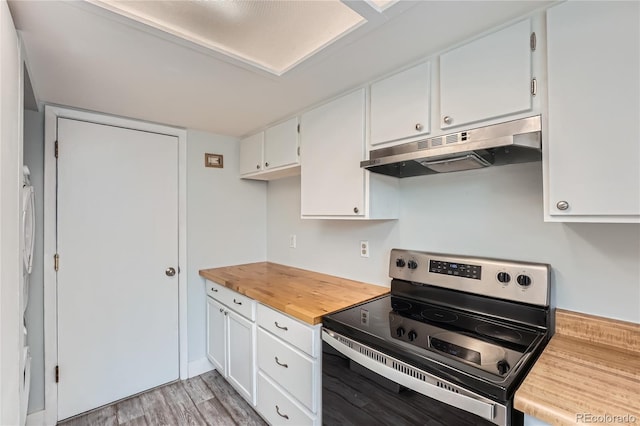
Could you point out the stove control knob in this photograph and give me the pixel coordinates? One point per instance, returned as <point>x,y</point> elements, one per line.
<point>524,280</point>
<point>400,331</point>
<point>412,264</point>
<point>503,367</point>
<point>400,263</point>
<point>412,336</point>
<point>504,277</point>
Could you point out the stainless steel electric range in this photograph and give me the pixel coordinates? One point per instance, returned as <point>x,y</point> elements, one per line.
<point>460,330</point>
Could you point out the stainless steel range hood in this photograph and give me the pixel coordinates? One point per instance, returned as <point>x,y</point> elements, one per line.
<point>517,141</point>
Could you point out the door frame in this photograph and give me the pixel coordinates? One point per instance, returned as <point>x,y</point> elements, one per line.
<point>52,113</point>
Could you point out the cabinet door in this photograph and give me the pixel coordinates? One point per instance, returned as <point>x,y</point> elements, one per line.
<point>487,78</point>
<point>241,359</point>
<point>281,144</point>
<point>251,155</point>
<point>216,345</point>
<point>291,369</point>
<point>594,130</point>
<point>400,105</point>
<point>279,408</point>
<point>332,143</point>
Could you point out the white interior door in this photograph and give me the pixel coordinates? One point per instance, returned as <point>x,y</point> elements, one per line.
<point>117,225</point>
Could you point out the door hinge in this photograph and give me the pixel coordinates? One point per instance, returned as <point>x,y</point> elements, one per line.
<point>534,86</point>
<point>298,127</point>
<point>55,149</point>
<point>57,374</point>
<point>56,262</point>
<point>532,42</point>
<point>298,151</point>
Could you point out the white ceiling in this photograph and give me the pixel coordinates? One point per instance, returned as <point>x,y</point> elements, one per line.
<point>272,35</point>
<point>83,56</point>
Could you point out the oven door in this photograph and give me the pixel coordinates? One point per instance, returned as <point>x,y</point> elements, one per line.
<point>350,407</point>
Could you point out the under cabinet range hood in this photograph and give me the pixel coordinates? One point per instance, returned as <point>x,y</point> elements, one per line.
<point>517,141</point>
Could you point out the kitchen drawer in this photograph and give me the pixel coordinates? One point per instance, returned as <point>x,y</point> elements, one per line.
<point>290,330</point>
<point>278,408</point>
<point>288,367</point>
<point>243,305</point>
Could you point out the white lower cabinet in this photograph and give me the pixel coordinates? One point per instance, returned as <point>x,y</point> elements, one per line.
<point>231,338</point>
<point>287,366</point>
<point>273,360</point>
<point>216,325</point>
<point>289,388</point>
<point>278,407</point>
<point>241,355</point>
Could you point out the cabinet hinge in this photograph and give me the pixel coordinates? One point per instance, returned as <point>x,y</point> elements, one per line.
<point>298,127</point>
<point>57,374</point>
<point>55,149</point>
<point>534,86</point>
<point>56,262</point>
<point>532,41</point>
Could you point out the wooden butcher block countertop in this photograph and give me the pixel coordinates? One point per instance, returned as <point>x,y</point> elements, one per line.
<point>588,373</point>
<point>305,295</point>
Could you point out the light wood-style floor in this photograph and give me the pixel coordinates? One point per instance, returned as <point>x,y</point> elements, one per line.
<point>206,400</point>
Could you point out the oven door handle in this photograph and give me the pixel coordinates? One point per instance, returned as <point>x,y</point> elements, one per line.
<point>482,407</point>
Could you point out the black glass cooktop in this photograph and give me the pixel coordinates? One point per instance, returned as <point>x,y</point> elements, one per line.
<point>465,323</point>
<point>462,346</point>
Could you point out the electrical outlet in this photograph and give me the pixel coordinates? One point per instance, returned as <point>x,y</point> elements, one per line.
<point>292,241</point>
<point>364,248</point>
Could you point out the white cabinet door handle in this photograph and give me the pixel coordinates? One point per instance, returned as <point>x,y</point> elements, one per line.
<point>280,414</point>
<point>280,327</point>
<point>281,364</point>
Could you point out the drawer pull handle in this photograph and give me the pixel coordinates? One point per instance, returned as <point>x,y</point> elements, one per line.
<point>280,327</point>
<point>236,302</point>
<point>281,364</point>
<point>280,414</point>
<point>215,290</point>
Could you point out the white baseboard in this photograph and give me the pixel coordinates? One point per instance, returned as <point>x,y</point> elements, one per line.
<point>199,366</point>
<point>36,419</point>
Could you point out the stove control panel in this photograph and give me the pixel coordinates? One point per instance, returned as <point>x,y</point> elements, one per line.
<point>524,282</point>
<point>456,269</point>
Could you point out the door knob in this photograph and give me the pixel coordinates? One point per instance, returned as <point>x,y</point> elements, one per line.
<point>170,272</point>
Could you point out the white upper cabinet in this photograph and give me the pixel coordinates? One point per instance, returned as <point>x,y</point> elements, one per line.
<point>332,139</point>
<point>251,154</point>
<point>271,154</point>
<point>487,78</point>
<point>281,145</point>
<point>592,162</point>
<point>400,105</point>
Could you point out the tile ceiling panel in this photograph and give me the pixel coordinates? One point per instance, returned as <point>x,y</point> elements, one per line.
<point>272,35</point>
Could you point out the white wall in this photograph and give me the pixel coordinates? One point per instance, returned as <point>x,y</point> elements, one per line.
<point>226,222</point>
<point>329,246</point>
<point>34,158</point>
<point>494,212</point>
